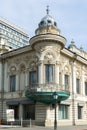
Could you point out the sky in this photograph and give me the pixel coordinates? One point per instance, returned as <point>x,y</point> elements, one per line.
<point>70,15</point>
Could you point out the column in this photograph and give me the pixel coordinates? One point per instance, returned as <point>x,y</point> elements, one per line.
<point>20,111</point>
<point>48,118</point>
<point>83,83</point>
<point>73,91</point>
<point>73,78</point>
<point>1,76</point>
<point>6,77</point>
<point>26,78</point>
<point>40,72</point>
<point>57,73</point>
<point>17,81</point>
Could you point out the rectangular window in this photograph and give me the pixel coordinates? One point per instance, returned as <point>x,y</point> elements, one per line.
<point>33,78</point>
<point>63,112</point>
<point>66,81</point>
<point>86,88</point>
<point>12,83</point>
<point>49,73</point>
<point>80,112</point>
<point>29,111</point>
<point>77,86</point>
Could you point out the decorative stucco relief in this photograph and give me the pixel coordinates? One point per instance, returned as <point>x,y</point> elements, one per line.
<point>49,56</point>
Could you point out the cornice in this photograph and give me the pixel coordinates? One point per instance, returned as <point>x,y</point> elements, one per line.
<point>74,56</point>
<point>16,52</point>
<point>47,37</point>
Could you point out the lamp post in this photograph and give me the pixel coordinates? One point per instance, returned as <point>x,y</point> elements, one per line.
<point>55,96</point>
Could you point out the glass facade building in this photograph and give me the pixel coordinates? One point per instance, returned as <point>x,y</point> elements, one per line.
<point>15,36</point>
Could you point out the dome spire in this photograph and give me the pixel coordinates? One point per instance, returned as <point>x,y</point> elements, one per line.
<point>47,10</point>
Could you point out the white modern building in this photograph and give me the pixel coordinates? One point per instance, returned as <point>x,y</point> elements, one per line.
<point>30,75</point>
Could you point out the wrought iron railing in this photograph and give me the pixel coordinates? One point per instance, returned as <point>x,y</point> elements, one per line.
<point>47,87</point>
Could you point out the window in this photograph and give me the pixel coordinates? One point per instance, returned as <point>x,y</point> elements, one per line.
<point>86,88</point>
<point>49,73</point>
<point>60,77</point>
<point>63,112</point>
<point>42,22</point>
<point>16,110</point>
<point>12,83</point>
<point>33,78</point>
<point>66,81</point>
<point>29,111</point>
<point>77,86</point>
<point>55,23</point>
<point>80,112</point>
<point>49,21</point>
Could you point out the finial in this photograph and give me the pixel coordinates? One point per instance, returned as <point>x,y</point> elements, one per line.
<point>81,48</point>
<point>72,41</point>
<point>47,10</point>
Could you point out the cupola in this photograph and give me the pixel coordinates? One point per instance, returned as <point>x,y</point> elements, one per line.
<point>47,25</point>
<point>47,34</point>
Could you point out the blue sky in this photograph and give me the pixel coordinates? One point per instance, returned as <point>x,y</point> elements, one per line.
<point>70,15</point>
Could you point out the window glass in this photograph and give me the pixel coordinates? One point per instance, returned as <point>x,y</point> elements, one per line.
<point>49,73</point>
<point>80,112</point>
<point>33,78</point>
<point>66,81</point>
<point>29,111</point>
<point>63,111</point>
<point>77,86</point>
<point>12,83</point>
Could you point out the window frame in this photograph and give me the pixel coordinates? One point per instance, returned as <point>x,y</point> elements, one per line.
<point>66,81</point>
<point>80,109</point>
<point>29,111</point>
<point>30,78</point>
<point>49,73</point>
<point>78,85</point>
<point>63,112</point>
<point>12,83</point>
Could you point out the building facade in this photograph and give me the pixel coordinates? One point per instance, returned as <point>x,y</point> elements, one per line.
<point>15,37</point>
<point>31,74</point>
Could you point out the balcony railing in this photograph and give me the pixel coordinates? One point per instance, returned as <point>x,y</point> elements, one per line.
<point>46,87</point>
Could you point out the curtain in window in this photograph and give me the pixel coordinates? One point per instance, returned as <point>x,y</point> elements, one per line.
<point>66,81</point>
<point>63,112</point>
<point>79,112</point>
<point>77,86</point>
<point>33,77</point>
<point>49,73</point>
<point>12,83</point>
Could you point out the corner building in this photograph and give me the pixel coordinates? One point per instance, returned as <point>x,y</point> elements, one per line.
<point>31,74</point>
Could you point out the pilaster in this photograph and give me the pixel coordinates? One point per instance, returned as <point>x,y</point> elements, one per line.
<point>40,73</point>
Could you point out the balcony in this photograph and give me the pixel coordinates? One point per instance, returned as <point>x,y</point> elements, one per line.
<point>44,92</point>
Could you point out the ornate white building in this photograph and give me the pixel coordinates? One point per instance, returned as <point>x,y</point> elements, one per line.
<point>31,74</point>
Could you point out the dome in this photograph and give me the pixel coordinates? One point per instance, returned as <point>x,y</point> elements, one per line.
<point>47,21</point>
<point>47,25</point>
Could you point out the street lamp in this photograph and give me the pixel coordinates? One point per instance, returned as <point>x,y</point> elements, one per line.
<point>55,96</point>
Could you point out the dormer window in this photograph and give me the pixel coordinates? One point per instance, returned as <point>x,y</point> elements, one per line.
<point>55,24</point>
<point>49,21</point>
<point>42,22</point>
